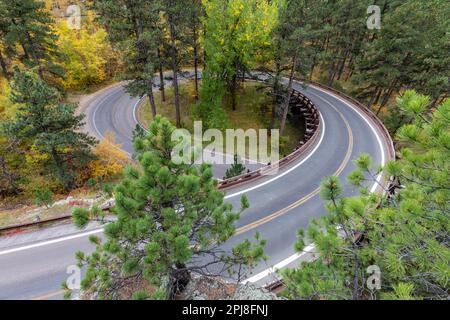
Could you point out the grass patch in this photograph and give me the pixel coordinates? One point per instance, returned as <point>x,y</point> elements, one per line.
<point>253,111</point>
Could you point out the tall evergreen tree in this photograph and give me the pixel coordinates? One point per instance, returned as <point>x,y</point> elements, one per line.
<point>50,126</point>
<point>171,222</point>
<point>292,52</point>
<point>12,163</point>
<point>176,15</point>
<point>5,48</point>
<point>406,235</point>
<point>29,26</point>
<point>193,23</point>
<point>409,50</point>
<point>133,27</point>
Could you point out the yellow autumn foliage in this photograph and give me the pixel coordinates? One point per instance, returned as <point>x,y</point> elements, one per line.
<point>110,158</point>
<point>7,108</point>
<point>87,57</point>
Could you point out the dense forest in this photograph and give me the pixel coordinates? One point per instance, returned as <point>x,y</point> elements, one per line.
<point>399,70</point>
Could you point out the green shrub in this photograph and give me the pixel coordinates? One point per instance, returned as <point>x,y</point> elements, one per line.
<point>43,197</point>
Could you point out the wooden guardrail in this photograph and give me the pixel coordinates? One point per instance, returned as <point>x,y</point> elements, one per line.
<point>375,120</point>
<point>312,121</point>
<point>298,101</point>
<point>13,229</point>
<point>391,184</point>
<point>18,228</point>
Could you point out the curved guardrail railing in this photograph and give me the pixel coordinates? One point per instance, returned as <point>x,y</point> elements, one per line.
<point>380,125</point>
<point>313,128</point>
<point>312,120</point>
<point>278,285</point>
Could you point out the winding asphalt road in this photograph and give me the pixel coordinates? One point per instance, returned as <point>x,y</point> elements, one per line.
<point>279,205</point>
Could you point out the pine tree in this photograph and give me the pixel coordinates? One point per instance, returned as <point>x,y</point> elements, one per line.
<point>405,234</point>
<point>12,163</point>
<point>409,50</point>
<point>236,169</point>
<point>133,27</point>
<point>44,197</point>
<point>29,26</point>
<point>293,52</point>
<point>177,17</point>
<point>171,222</point>
<point>6,50</point>
<point>50,126</point>
<point>193,22</point>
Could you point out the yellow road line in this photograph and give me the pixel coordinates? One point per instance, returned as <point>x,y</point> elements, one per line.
<point>280,212</point>
<point>49,295</point>
<point>301,201</point>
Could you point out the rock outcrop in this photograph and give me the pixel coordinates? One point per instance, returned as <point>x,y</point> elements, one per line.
<point>208,288</point>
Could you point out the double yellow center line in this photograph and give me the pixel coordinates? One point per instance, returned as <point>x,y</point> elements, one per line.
<point>301,201</point>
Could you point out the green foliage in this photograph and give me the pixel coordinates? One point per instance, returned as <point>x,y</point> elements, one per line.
<point>28,26</point>
<point>406,235</point>
<point>43,196</point>
<point>86,55</point>
<point>91,182</point>
<point>138,132</point>
<point>108,188</point>
<point>80,217</point>
<point>136,34</point>
<point>49,128</point>
<point>330,188</point>
<point>171,221</point>
<point>140,295</point>
<point>237,35</point>
<point>409,49</point>
<point>402,291</point>
<point>306,285</point>
<point>236,169</point>
<point>13,164</point>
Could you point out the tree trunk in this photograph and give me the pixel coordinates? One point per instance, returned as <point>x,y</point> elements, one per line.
<point>341,68</point>
<point>331,73</point>
<point>151,97</point>
<point>233,87</point>
<point>59,169</point>
<point>204,51</point>
<point>3,66</point>
<point>355,291</point>
<point>350,68</point>
<point>385,99</point>
<point>196,62</point>
<point>161,77</point>
<point>441,99</point>
<point>25,52</point>
<point>288,96</point>
<point>180,279</point>
<point>380,106</point>
<point>276,91</point>
<point>175,70</point>
<point>350,73</point>
<point>388,94</point>
<point>135,27</point>
<point>375,96</point>
<point>35,57</point>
